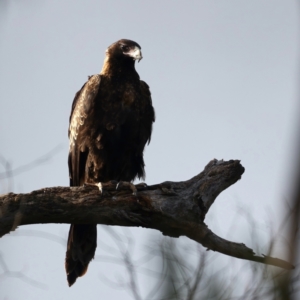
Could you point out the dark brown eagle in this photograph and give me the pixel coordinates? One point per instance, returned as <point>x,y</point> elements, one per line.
<point>110,124</point>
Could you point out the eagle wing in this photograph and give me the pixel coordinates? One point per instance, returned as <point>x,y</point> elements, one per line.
<point>82,108</point>
<point>148,114</point>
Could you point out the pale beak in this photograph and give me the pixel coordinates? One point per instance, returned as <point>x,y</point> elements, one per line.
<point>136,54</point>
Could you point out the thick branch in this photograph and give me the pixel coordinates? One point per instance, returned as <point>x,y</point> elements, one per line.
<point>174,208</point>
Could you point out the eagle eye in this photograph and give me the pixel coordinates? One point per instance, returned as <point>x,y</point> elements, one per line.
<point>125,48</point>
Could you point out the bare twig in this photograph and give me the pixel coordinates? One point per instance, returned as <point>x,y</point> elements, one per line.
<point>9,172</point>
<point>18,274</point>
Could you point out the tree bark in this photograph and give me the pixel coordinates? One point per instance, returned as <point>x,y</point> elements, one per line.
<point>174,208</point>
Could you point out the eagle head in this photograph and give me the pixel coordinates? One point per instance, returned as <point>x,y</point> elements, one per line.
<point>125,50</point>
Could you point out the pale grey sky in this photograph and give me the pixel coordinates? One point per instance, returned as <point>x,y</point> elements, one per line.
<point>223,77</point>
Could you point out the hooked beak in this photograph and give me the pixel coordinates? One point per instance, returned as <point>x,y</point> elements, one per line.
<point>136,54</point>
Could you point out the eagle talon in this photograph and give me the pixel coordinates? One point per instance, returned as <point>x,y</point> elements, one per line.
<point>98,185</point>
<point>127,184</point>
<point>141,185</point>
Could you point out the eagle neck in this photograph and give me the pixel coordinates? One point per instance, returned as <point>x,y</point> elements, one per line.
<point>118,68</point>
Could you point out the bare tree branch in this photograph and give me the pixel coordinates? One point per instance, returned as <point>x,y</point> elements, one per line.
<point>18,274</point>
<point>9,172</point>
<point>174,208</point>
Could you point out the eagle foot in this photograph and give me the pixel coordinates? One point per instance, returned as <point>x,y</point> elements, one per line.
<point>98,185</point>
<point>127,184</point>
<point>141,186</point>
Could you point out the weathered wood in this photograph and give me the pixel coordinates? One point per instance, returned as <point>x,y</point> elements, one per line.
<point>174,208</point>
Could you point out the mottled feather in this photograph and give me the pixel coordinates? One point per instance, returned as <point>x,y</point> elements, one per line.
<point>110,124</point>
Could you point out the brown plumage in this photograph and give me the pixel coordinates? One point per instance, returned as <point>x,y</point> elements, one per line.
<point>110,124</point>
